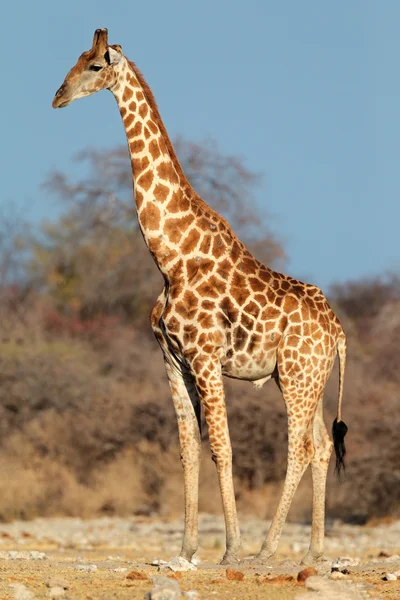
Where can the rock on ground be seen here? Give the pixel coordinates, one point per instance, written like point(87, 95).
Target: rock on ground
point(57, 582)
point(179, 564)
point(86, 568)
point(21, 592)
point(190, 595)
point(324, 589)
point(164, 588)
point(56, 592)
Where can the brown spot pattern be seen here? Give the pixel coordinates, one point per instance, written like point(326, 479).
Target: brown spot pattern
point(150, 217)
point(146, 180)
point(161, 192)
point(128, 93)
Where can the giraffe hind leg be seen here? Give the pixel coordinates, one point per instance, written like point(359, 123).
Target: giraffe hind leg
point(301, 394)
point(319, 469)
point(300, 454)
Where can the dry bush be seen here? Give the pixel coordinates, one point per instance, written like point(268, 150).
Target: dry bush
point(370, 312)
point(78, 411)
point(258, 427)
point(362, 301)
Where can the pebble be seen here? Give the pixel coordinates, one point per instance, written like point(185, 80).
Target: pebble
point(56, 592)
point(390, 577)
point(86, 568)
point(57, 582)
point(234, 575)
point(345, 561)
point(190, 595)
point(164, 588)
point(21, 592)
point(24, 555)
point(180, 564)
point(119, 570)
point(392, 558)
point(306, 573)
point(35, 555)
point(324, 589)
point(157, 562)
point(337, 575)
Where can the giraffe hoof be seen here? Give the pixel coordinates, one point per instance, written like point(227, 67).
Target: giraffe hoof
point(229, 559)
point(258, 561)
point(310, 560)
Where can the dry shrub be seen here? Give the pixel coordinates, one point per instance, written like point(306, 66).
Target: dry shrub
point(41, 487)
point(258, 427)
point(370, 486)
point(131, 483)
point(88, 427)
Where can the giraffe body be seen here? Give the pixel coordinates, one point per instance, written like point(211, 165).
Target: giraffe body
point(221, 312)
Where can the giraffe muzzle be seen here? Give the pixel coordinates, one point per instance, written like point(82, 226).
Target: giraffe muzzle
point(59, 100)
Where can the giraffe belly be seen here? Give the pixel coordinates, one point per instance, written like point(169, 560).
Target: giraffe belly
point(251, 368)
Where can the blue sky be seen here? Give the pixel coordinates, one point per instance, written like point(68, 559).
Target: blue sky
point(306, 92)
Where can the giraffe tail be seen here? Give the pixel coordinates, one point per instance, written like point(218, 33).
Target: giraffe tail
point(339, 427)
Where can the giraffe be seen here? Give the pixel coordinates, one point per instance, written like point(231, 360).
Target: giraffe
point(221, 313)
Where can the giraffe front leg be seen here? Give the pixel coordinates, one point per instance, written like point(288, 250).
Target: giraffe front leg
point(187, 409)
point(208, 377)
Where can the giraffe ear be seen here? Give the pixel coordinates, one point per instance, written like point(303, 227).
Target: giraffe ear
point(114, 54)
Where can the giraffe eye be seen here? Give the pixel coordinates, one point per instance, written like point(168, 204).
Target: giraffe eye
point(95, 68)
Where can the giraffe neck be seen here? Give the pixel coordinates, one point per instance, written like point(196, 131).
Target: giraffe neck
point(161, 190)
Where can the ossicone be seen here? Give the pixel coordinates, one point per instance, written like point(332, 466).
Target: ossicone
point(100, 39)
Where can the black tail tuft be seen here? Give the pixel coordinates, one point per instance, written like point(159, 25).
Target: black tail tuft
point(339, 430)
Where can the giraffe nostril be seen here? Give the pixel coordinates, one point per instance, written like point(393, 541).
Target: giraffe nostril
point(59, 99)
point(60, 90)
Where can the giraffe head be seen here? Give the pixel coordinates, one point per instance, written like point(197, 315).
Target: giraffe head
point(94, 71)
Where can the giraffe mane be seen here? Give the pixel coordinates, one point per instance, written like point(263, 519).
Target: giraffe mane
point(171, 150)
point(153, 104)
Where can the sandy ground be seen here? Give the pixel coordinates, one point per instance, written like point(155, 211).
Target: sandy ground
point(95, 559)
